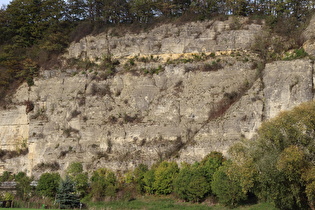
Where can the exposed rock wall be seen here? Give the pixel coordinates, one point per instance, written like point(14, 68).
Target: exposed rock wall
point(14, 127)
point(182, 113)
point(169, 40)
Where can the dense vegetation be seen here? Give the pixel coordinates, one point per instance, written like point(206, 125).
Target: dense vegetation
point(34, 32)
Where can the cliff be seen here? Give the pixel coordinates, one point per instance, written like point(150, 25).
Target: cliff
point(174, 92)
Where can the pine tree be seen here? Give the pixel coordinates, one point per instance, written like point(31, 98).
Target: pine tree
point(66, 197)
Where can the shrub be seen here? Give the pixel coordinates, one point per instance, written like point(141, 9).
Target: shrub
point(226, 186)
point(148, 180)
point(131, 119)
point(210, 164)
point(6, 176)
point(100, 90)
point(138, 177)
point(103, 183)
point(214, 66)
point(164, 176)
point(296, 54)
point(191, 184)
point(74, 113)
point(69, 131)
point(8, 154)
point(29, 106)
point(54, 166)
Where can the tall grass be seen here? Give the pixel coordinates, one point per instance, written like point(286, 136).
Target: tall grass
point(150, 202)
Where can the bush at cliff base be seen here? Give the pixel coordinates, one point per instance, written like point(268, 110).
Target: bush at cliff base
point(279, 165)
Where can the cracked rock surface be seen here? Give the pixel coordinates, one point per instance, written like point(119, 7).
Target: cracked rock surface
point(181, 113)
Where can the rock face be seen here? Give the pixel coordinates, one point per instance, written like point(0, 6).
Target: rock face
point(190, 108)
point(168, 40)
point(308, 35)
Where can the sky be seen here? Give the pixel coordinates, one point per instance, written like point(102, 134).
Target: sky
point(4, 2)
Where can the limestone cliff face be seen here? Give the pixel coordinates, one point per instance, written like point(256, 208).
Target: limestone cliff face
point(169, 40)
point(190, 108)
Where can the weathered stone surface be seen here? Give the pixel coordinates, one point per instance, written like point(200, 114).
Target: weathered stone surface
point(14, 127)
point(152, 117)
point(308, 35)
point(287, 84)
point(182, 113)
point(77, 118)
point(309, 31)
point(168, 39)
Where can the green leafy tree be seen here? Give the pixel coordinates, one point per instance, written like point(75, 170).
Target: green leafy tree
point(283, 158)
point(148, 180)
point(24, 16)
point(23, 185)
point(191, 184)
point(194, 182)
point(103, 183)
point(48, 184)
point(3, 25)
point(210, 164)
point(80, 178)
point(76, 10)
point(139, 173)
point(164, 176)
point(227, 186)
point(142, 10)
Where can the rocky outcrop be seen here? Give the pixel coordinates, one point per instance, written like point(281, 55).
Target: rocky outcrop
point(193, 106)
point(169, 40)
point(127, 120)
point(14, 127)
point(286, 85)
point(308, 36)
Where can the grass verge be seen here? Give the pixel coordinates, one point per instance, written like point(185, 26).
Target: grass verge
point(149, 203)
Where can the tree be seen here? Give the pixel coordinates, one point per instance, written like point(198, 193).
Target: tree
point(76, 10)
point(23, 185)
point(210, 164)
point(66, 196)
point(23, 16)
point(237, 7)
point(148, 180)
point(191, 184)
point(79, 178)
point(142, 10)
point(283, 157)
point(139, 176)
point(48, 184)
point(164, 176)
point(3, 25)
point(103, 183)
point(227, 186)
